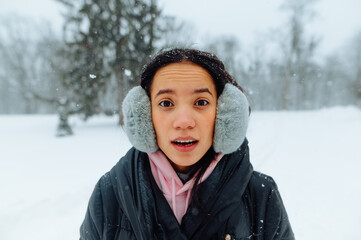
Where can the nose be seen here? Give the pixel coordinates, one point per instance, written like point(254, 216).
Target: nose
point(184, 119)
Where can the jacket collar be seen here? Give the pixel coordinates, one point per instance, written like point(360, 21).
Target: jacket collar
point(171, 185)
point(219, 196)
point(150, 213)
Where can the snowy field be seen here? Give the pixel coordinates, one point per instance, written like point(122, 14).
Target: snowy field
point(314, 156)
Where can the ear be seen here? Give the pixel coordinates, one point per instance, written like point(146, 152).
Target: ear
point(231, 120)
point(138, 123)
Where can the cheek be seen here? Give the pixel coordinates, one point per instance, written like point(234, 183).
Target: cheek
point(212, 115)
point(208, 122)
point(158, 123)
point(211, 125)
point(155, 119)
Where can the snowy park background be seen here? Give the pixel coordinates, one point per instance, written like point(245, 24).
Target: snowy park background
point(298, 60)
point(314, 156)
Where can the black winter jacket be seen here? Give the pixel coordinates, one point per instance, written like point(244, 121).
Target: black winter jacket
point(236, 203)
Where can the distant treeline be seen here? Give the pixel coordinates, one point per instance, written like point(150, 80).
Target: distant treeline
point(88, 69)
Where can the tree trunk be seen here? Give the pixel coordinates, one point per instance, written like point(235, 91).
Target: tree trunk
point(286, 91)
point(119, 76)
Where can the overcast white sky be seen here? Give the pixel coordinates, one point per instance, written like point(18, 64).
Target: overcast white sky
point(336, 20)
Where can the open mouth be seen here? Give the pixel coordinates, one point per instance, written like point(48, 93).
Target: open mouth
point(185, 143)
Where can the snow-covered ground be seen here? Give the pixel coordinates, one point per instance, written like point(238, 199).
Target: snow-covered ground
point(314, 156)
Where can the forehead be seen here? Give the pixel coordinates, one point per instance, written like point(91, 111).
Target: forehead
point(182, 73)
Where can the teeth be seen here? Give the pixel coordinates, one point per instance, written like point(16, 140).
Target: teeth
point(185, 141)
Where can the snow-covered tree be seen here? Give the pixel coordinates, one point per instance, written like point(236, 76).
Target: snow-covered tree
point(107, 41)
point(299, 67)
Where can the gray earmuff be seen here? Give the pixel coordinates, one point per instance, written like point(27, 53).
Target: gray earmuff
point(229, 130)
point(231, 120)
point(138, 123)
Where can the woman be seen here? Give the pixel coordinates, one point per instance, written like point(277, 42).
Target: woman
point(188, 175)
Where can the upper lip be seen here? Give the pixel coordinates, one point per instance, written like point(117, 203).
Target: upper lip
point(187, 138)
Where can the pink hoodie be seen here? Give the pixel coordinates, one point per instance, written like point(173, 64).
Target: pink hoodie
point(177, 194)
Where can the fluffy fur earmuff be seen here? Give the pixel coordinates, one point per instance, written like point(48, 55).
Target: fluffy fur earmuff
point(231, 120)
point(138, 123)
point(229, 130)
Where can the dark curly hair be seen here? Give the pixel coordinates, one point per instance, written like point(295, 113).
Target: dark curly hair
point(206, 60)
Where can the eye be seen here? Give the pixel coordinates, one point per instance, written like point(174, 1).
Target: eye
point(202, 102)
point(166, 104)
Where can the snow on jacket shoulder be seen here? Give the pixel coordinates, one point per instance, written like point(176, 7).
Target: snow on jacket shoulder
point(234, 201)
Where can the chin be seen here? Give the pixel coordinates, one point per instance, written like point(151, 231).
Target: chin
point(186, 159)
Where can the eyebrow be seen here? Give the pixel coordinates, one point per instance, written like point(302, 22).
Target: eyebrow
point(163, 91)
point(201, 90)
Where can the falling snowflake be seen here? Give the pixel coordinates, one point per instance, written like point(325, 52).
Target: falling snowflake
point(127, 72)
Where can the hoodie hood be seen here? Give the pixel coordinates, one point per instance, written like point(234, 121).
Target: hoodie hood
point(177, 194)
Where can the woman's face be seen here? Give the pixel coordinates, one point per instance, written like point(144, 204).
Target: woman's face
point(184, 105)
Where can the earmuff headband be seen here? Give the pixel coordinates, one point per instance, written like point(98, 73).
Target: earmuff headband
point(229, 130)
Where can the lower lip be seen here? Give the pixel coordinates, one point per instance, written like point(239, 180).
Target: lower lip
point(187, 148)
